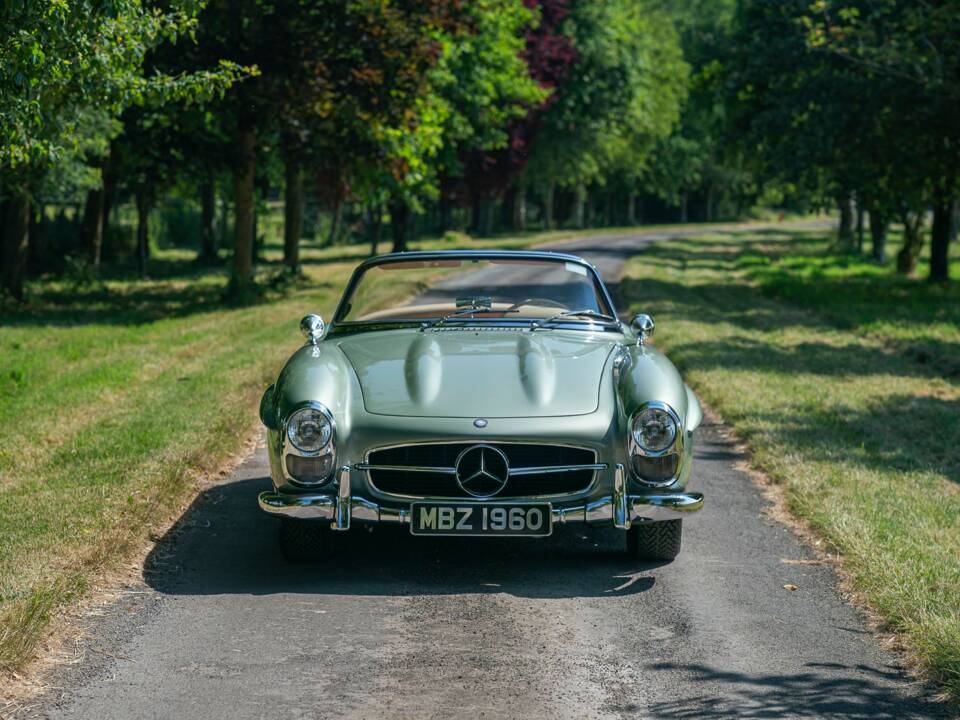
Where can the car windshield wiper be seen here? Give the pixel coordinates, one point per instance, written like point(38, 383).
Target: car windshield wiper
point(586, 313)
point(462, 313)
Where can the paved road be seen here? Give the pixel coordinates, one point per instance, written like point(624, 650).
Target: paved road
point(398, 626)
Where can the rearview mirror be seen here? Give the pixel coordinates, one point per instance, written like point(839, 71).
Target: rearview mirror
point(312, 328)
point(644, 326)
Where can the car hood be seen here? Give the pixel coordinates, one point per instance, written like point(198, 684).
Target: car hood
point(471, 372)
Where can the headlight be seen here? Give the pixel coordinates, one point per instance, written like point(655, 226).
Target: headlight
point(310, 470)
point(309, 429)
point(654, 429)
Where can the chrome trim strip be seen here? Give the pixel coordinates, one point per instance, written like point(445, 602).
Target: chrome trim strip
point(544, 469)
point(640, 508)
point(408, 468)
point(533, 470)
point(341, 518)
point(621, 514)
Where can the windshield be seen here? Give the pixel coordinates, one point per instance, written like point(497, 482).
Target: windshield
point(458, 289)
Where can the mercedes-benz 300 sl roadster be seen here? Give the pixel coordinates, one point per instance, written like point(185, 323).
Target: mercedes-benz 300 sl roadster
point(479, 393)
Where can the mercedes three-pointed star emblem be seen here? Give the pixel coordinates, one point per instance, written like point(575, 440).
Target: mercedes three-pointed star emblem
point(482, 471)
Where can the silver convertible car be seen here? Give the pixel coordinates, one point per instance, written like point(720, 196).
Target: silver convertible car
point(481, 393)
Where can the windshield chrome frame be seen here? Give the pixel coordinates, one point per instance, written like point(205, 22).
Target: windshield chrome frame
point(475, 255)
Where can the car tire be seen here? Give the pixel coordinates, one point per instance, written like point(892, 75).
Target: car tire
point(304, 540)
point(655, 540)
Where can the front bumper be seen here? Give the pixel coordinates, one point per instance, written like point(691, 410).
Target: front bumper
point(621, 509)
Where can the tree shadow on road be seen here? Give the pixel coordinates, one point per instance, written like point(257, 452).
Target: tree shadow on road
point(224, 544)
point(819, 690)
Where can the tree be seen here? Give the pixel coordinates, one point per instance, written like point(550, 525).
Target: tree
point(697, 158)
point(623, 92)
point(814, 123)
point(486, 85)
point(549, 56)
point(67, 70)
point(915, 49)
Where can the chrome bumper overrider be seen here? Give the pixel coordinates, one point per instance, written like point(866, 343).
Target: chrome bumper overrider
point(620, 508)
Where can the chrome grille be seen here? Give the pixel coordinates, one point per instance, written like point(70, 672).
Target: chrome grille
point(428, 469)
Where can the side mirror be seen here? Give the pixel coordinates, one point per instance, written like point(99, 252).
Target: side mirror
point(312, 328)
point(644, 326)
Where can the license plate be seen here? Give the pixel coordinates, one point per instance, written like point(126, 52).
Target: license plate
point(503, 519)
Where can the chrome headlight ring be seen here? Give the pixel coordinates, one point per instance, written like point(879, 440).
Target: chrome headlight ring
point(290, 448)
point(670, 456)
point(325, 445)
point(661, 409)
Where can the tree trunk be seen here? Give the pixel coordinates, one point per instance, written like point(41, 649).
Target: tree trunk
point(683, 207)
point(399, 216)
point(845, 229)
point(257, 239)
point(37, 257)
point(446, 215)
point(518, 222)
point(143, 230)
point(506, 207)
point(109, 251)
point(878, 235)
point(579, 205)
point(912, 243)
point(710, 201)
point(549, 195)
point(631, 209)
point(93, 226)
point(335, 221)
point(485, 206)
point(292, 216)
point(223, 222)
point(940, 238)
point(15, 228)
point(859, 225)
point(208, 221)
point(243, 181)
point(374, 222)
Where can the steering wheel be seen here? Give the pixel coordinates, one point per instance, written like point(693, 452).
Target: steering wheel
point(538, 301)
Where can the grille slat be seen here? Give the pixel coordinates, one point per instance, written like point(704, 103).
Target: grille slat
point(444, 455)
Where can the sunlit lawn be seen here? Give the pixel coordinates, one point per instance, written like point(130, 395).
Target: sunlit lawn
point(845, 382)
point(115, 395)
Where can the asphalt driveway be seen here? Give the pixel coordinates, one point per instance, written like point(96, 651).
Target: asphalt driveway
point(570, 626)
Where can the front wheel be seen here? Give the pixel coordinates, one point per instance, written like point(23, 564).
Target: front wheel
point(655, 540)
point(304, 540)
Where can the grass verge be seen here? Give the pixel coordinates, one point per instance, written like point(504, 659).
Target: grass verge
point(844, 381)
point(117, 396)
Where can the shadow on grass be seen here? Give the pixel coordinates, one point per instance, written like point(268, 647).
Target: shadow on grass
point(901, 432)
point(60, 305)
point(905, 432)
point(932, 354)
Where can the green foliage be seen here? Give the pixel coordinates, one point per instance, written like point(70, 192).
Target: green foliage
point(624, 92)
point(697, 156)
point(484, 81)
point(68, 69)
point(825, 95)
